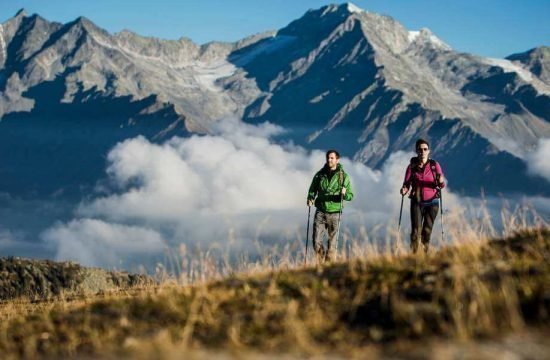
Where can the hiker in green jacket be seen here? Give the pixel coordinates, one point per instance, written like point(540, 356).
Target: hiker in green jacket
point(329, 187)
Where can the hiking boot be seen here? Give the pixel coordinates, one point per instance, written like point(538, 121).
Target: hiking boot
point(414, 246)
point(415, 241)
point(425, 247)
point(321, 255)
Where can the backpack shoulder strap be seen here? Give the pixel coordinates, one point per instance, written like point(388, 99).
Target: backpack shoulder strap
point(432, 166)
point(435, 174)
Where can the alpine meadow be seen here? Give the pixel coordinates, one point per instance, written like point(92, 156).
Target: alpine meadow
point(341, 187)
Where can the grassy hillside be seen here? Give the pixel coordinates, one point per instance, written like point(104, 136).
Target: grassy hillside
point(476, 299)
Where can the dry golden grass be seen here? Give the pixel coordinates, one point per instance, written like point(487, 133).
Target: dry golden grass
point(377, 300)
point(472, 291)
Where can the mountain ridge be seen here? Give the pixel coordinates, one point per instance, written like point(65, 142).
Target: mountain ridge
point(386, 86)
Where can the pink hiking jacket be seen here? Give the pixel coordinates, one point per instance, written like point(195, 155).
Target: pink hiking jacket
point(424, 179)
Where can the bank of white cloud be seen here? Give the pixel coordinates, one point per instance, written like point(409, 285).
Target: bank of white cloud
point(236, 185)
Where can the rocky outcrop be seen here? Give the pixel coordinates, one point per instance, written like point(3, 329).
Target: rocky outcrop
point(43, 279)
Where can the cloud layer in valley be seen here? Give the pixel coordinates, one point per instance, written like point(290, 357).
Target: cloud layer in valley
point(538, 161)
point(232, 188)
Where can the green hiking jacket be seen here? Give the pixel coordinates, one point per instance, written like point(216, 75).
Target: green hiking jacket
point(327, 193)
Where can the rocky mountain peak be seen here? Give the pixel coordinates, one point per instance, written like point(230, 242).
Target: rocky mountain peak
point(10, 26)
point(318, 23)
point(382, 32)
point(21, 13)
point(352, 8)
point(22, 36)
point(348, 7)
point(88, 26)
point(425, 37)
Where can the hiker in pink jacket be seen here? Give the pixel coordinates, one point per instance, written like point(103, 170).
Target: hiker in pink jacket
point(425, 179)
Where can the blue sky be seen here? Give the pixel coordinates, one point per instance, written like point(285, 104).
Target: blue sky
point(495, 28)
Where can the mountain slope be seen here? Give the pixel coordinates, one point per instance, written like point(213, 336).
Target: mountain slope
point(366, 85)
point(70, 92)
point(537, 61)
point(337, 77)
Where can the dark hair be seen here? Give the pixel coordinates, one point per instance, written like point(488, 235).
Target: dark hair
point(332, 151)
point(420, 142)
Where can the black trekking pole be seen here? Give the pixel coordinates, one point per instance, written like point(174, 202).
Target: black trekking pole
point(307, 232)
point(339, 217)
point(399, 223)
point(441, 205)
point(440, 191)
point(400, 213)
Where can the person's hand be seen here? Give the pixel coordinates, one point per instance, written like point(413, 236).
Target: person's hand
point(343, 191)
point(309, 203)
point(439, 181)
point(404, 190)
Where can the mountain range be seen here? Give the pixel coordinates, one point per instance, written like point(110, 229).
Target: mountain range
point(338, 77)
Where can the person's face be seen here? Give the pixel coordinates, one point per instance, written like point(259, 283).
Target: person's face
point(423, 151)
point(332, 160)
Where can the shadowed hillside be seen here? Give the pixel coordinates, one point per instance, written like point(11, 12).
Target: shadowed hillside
point(474, 299)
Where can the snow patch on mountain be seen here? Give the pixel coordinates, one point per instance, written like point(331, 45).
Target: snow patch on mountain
point(352, 8)
point(2, 42)
point(207, 74)
point(509, 66)
point(424, 35)
point(268, 46)
point(413, 35)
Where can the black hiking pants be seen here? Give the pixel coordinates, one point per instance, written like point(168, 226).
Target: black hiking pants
point(422, 221)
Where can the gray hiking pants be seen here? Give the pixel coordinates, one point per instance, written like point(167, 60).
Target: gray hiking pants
point(325, 222)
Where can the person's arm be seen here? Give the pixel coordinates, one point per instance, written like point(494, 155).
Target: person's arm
point(348, 196)
point(313, 189)
point(441, 180)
